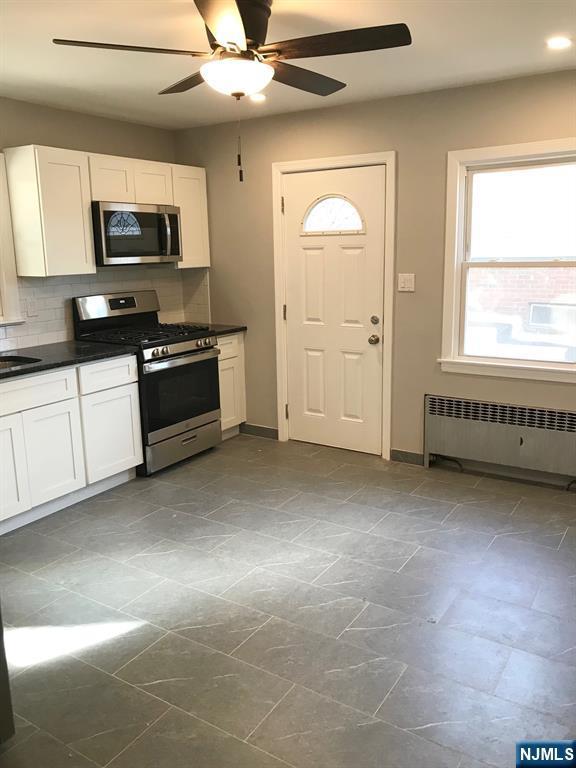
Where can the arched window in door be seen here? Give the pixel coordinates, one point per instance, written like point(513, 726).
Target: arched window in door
point(332, 215)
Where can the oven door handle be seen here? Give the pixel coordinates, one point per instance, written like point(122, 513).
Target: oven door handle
point(175, 362)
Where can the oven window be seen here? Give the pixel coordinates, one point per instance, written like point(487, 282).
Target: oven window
point(179, 394)
point(133, 233)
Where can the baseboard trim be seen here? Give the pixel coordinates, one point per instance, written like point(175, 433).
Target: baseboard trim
point(228, 433)
point(43, 510)
point(406, 457)
point(253, 429)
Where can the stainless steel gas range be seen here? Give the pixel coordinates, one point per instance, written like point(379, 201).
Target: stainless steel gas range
point(178, 372)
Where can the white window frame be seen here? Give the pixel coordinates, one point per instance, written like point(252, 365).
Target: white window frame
point(9, 300)
point(458, 167)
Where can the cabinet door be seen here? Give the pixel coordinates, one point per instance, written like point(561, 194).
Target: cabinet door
point(153, 182)
point(231, 376)
point(53, 437)
point(14, 491)
point(190, 194)
point(65, 202)
point(112, 178)
point(112, 438)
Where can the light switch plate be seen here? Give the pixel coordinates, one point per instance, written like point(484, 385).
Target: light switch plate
point(407, 282)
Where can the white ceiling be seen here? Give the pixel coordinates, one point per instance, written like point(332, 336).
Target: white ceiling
point(455, 42)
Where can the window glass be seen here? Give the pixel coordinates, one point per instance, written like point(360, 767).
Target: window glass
point(523, 214)
point(521, 313)
point(332, 214)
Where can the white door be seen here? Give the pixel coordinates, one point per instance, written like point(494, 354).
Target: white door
point(53, 437)
point(112, 178)
point(112, 437)
point(64, 185)
point(14, 491)
point(153, 183)
point(189, 185)
point(334, 246)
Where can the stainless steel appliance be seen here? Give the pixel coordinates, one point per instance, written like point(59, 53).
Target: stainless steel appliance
point(129, 233)
point(178, 372)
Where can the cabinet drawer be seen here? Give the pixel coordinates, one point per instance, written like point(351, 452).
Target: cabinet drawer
point(23, 393)
point(107, 374)
point(229, 346)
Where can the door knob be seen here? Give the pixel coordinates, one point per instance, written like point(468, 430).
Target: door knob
point(374, 339)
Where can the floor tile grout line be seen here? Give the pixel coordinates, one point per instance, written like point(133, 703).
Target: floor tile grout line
point(75, 551)
point(147, 648)
point(379, 707)
point(133, 599)
point(360, 612)
point(323, 571)
point(237, 648)
point(267, 715)
point(410, 558)
point(151, 725)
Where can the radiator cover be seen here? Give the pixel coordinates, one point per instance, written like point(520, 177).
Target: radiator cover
point(541, 439)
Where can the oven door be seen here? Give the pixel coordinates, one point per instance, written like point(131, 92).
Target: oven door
point(179, 394)
point(126, 233)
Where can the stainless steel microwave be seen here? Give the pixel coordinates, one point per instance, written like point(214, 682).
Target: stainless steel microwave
point(130, 233)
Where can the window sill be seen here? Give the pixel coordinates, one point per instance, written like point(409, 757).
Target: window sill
point(532, 371)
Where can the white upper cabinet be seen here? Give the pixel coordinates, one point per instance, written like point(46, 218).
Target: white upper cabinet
point(51, 216)
point(189, 185)
point(51, 192)
point(112, 179)
point(153, 182)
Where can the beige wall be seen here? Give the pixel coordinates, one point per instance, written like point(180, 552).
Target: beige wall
point(421, 128)
point(22, 123)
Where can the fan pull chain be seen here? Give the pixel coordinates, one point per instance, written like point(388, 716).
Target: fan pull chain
point(239, 159)
point(239, 151)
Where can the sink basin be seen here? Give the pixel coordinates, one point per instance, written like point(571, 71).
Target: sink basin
point(13, 361)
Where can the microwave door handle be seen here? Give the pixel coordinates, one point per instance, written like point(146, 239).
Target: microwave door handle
point(168, 234)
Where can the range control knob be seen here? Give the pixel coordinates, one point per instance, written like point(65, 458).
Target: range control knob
point(165, 350)
point(156, 352)
point(207, 342)
point(199, 343)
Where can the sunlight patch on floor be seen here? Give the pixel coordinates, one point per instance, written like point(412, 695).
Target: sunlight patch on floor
point(26, 646)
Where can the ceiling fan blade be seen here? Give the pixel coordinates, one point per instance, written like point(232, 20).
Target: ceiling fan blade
point(223, 19)
point(137, 48)
point(184, 85)
point(348, 41)
point(305, 79)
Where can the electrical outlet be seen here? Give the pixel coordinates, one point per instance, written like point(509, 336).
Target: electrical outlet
point(407, 282)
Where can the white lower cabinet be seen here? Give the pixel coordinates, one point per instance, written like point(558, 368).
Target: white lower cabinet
point(14, 491)
point(54, 442)
point(232, 381)
point(111, 426)
point(55, 458)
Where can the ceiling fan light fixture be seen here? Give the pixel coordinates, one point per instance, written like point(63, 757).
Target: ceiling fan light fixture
point(237, 76)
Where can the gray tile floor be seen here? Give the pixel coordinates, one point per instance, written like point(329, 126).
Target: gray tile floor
point(269, 605)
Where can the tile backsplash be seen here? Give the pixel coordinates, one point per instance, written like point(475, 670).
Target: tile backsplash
point(47, 311)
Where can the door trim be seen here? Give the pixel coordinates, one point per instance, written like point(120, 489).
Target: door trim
point(388, 159)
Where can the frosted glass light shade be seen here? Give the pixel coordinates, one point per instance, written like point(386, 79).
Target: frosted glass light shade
point(232, 76)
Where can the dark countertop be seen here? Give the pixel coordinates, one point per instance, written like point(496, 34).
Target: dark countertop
point(226, 330)
point(61, 355)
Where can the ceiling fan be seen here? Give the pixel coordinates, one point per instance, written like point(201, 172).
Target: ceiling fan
point(241, 63)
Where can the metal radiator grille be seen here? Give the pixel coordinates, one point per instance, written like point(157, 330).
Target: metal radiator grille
point(498, 413)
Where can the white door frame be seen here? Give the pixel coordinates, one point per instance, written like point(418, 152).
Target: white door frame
point(387, 159)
